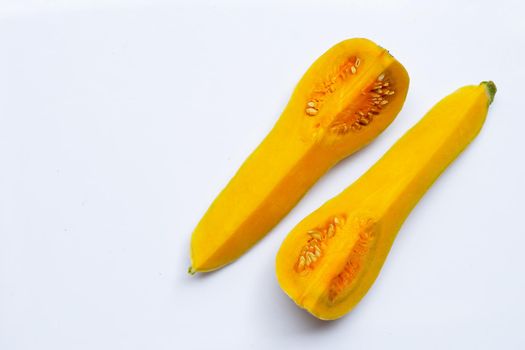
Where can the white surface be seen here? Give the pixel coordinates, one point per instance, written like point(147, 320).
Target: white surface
point(121, 121)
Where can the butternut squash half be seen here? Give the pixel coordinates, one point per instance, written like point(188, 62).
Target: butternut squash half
point(331, 258)
point(344, 100)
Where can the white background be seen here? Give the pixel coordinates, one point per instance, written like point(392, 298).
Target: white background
point(120, 121)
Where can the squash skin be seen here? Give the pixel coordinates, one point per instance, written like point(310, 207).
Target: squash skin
point(294, 155)
point(376, 205)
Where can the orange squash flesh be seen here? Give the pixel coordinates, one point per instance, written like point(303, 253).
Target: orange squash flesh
point(330, 259)
point(344, 100)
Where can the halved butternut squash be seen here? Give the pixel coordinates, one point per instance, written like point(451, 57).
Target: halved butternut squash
point(345, 99)
point(331, 258)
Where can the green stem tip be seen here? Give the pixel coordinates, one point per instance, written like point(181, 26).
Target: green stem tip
point(490, 88)
point(191, 271)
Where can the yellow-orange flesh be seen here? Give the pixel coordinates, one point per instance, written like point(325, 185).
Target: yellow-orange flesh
point(330, 259)
point(344, 100)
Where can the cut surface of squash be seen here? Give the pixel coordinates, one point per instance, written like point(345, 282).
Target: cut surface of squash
point(345, 99)
point(331, 258)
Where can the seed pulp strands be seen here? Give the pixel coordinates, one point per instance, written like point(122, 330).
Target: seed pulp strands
point(330, 84)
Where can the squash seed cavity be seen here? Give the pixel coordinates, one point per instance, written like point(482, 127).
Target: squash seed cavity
point(331, 84)
point(355, 261)
point(312, 251)
point(378, 95)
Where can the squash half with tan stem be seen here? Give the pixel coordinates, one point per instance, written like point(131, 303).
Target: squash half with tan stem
point(344, 100)
point(331, 258)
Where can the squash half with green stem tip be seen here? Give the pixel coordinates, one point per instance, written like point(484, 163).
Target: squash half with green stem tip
point(331, 258)
point(344, 100)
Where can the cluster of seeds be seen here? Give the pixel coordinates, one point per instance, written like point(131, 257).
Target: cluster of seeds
point(328, 86)
point(353, 264)
point(311, 108)
point(317, 238)
point(349, 67)
point(377, 98)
